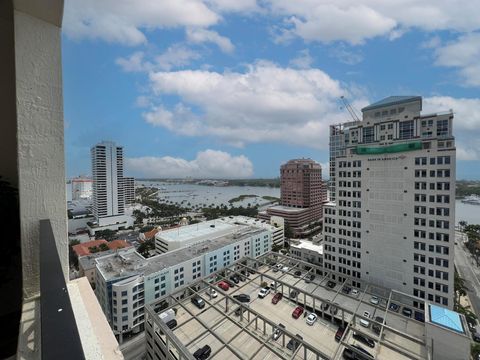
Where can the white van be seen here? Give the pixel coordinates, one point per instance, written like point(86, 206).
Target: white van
point(166, 316)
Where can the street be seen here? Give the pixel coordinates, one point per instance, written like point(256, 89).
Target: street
point(134, 349)
point(468, 270)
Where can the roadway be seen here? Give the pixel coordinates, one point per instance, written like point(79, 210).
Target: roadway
point(134, 348)
point(468, 270)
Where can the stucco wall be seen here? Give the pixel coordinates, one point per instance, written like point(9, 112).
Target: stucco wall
point(41, 164)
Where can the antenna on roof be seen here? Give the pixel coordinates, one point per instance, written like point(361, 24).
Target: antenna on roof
point(350, 109)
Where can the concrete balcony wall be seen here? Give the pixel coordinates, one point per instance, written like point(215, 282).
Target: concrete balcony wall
point(40, 131)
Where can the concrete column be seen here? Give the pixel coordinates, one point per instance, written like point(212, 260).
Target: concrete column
point(40, 128)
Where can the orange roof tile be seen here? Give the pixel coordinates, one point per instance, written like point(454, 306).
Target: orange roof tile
point(83, 248)
point(118, 244)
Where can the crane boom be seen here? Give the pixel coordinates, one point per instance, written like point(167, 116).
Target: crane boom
point(349, 108)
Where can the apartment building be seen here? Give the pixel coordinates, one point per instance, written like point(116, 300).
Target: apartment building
point(392, 222)
point(125, 281)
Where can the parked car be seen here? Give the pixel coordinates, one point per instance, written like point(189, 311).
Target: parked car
point(235, 279)
point(364, 322)
point(272, 285)
point(407, 312)
point(393, 307)
point(230, 283)
point(278, 331)
point(198, 302)
point(476, 336)
point(339, 333)
point(346, 289)
point(223, 285)
point(293, 294)
point(297, 273)
point(172, 324)
point(311, 319)
point(333, 310)
point(242, 297)
point(331, 284)
point(212, 293)
point(263, 292)
point(297, 312)
point(362, 355)
point(355, 292)
point(285, 269)
point(376, 328)
point(293, 344)
point(277, 297)
point(324, 306)
point(203, 353)
point(363, 339)
point(374, 300)
point(309, 278)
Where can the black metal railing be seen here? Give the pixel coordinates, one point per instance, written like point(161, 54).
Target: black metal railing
point(59, 334)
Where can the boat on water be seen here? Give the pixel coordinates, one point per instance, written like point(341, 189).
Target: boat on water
point(471, 199)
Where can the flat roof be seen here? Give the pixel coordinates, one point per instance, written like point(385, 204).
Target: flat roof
point(199, 230)
point(287, 209)
point(446, 318)
point(216, 324)
point(305, 244)
point(130, 263)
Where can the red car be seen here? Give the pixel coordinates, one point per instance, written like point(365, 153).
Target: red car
point(297, 312)
point(223, 285)
point(276, 298)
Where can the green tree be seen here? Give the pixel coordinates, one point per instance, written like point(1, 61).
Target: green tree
point(288, 231)
point(106, 234)
point(103, 247)
point(459, 288)
point(72, 256)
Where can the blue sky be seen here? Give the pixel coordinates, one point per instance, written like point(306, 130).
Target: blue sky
point(226, 88)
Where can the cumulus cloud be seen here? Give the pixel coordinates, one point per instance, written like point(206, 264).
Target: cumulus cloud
point(467, 111)
point(176, 56)
point(355, 21)
point(463, 53)
point(134, 63)
point(303, 61)
point(207, 164)
point(266, 103)
point(345, 55)
point(123, 21)
point(199, 36)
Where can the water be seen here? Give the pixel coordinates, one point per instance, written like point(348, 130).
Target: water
point(190, 195)
point(467, 212)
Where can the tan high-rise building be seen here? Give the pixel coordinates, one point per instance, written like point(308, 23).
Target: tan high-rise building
point(302, 194)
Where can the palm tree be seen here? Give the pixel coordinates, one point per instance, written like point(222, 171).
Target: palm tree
point(460, 289)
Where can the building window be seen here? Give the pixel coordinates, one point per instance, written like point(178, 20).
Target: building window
point(406, 129)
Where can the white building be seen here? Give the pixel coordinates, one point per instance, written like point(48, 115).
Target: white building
point(108, 192)
point(393, 220)
point(82, 188)
point(125, 281)
point(307, 251)
point(275, 225)
point(129, 190)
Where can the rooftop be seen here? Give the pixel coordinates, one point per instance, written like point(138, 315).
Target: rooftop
point(200, 230)
point(84, 248)
point(392, 100)
point(129, 262)
point(305, 244)
point(398, 337)
point(287, 209)
point(446, 318)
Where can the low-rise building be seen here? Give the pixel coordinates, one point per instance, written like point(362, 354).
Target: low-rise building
point(275, 225)
point(307, 251)
point(126, 281)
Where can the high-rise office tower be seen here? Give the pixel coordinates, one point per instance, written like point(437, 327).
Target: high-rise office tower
point(108, 191)
point(392, 222)
point(302, 193)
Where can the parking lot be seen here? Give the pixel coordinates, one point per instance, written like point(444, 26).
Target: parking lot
point(226, 329)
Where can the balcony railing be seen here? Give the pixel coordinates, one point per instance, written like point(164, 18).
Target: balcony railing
point(59, 334)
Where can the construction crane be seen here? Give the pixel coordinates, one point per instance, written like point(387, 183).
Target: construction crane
point(350, 109)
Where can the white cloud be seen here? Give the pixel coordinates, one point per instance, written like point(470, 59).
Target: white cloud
point(134, 63)
point(199, 36)
point(176, 56)
point(467, 153)
point(303, 61)
point(207, 164)
point(463, 54)
point(123, 21)
point(466, 111)
point(355, 21)
point(346, 56)
point(267, 103)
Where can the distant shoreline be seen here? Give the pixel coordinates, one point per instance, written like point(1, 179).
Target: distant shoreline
point(274, 183)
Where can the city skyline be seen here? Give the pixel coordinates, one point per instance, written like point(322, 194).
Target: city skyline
point(236, 90)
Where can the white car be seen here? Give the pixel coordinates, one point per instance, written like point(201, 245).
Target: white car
point(363, 322)
point(374, 300)
point(311, 319)
point(213, 293)
point(355, 292)
point(263, 292)
point(285, 268)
